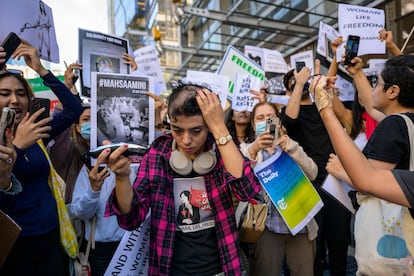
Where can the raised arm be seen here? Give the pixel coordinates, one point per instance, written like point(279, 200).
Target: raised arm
point(364, 89)
point(293, 106)
point(364, 176)
point(213, 115)
point(391, 47)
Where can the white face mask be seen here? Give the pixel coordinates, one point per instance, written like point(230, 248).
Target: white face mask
point(260, 127)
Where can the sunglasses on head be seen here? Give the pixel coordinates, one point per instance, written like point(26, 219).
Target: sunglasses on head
point(12, 71)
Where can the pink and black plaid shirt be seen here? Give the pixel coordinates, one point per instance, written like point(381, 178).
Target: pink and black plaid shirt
point(153, 189)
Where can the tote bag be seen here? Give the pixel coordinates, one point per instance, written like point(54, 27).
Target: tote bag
point(384, 232)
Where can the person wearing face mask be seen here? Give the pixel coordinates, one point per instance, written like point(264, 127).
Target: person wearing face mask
point(91, 191)
point(277, 243)
point(72, 144)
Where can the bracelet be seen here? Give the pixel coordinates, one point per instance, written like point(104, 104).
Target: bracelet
point(9, 188)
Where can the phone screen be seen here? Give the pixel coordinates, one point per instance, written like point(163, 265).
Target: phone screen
point(299, 65)
point(351, 49)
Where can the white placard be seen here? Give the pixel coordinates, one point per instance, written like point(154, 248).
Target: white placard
point(306, 56)
point(325, 36)
point(242, 98)
point(235, 62)
point(364, 22)
point(217, 83)
point(149, 64)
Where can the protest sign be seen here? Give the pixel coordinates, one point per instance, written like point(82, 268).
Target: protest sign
point(289, 189)
point(242, 98)
point(235, 62)
point(32, 21)
point(306, 56)
point(346, 89)
point(339, 190)
point(274, 66)
point(131, 258)
point(364, 22)
point(217, 83)
point(121, 111)
point(149, 64)
point(100, 52)
point(325, 36)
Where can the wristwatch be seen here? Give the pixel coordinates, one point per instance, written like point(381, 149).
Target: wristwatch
point(224, 139)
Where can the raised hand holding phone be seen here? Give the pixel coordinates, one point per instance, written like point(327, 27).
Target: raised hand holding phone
point(37, 104)
point(299, 65)
point(29, 130)
point(351, 49)
point(97, 174)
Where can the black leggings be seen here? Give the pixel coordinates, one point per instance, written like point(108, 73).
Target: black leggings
point(41, 255)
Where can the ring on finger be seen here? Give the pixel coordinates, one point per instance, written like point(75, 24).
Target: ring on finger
point(9, 160)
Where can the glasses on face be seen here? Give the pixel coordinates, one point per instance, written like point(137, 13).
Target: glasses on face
point(12, 71)
point(374, 80)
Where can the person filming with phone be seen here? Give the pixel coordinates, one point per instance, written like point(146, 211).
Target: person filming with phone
point(34, 201)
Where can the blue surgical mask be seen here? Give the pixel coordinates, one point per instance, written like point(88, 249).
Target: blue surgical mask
point(260, 127)
point(85, 131)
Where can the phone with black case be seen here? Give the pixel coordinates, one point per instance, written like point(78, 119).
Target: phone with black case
point(351, 49)
point(38, 103)
point(10, 44)
point(299, 65)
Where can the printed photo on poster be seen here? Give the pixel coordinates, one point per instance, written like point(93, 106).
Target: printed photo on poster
point(100, 52)
point(121, 111)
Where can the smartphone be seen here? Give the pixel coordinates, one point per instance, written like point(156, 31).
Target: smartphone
point(328, 45)
point(133, 149)
point(76, 71)
point(271, 125)
point(351, 49)
point(38, 103)
point(10, 44)
point(7, 121)
point(299, 65)
point(75, 78)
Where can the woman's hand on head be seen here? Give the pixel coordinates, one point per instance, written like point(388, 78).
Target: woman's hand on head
point(211, 109)
point(29, 131)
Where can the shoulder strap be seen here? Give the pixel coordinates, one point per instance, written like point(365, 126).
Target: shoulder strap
point(410, 128)
point(91, 241)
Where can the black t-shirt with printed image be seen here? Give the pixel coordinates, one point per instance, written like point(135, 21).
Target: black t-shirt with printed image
point(195, 244)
